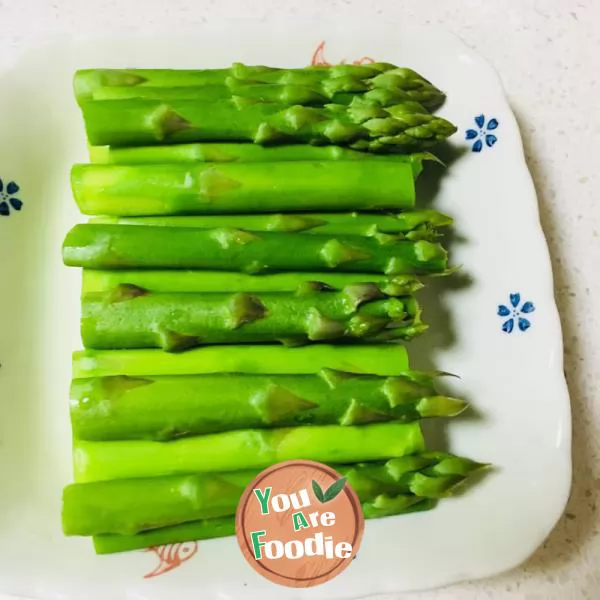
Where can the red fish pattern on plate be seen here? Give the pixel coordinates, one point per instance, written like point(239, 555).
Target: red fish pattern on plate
point(171, 556)
point(318, 58)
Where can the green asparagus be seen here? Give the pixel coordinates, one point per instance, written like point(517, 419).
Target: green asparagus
point(185, 532)
point(382, 83)
point(244, 449)
point(364, 125)
point(283, 94)
point(223, 188)
point(431, 474)
point(385, 360)
point(129, 506)
point(146, 247)
point(166, 407)
point(197, 243)
point(87, 81)
point(225, 526)
point(219, 153)
point(411, 225)
point(205, 93)
point(223, 281)
point(131, 317)
point(387, 506)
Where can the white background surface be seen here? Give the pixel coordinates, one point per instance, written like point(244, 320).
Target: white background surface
point(547, 54)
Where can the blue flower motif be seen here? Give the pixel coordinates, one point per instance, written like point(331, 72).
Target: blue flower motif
point(514, 311)
point(7, 198)
point(482, 133)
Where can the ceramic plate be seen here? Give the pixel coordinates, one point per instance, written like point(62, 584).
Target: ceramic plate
point(495, 324)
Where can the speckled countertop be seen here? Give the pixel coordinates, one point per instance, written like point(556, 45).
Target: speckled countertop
point(547, 53)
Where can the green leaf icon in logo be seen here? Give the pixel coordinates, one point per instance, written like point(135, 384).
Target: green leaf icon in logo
point(332, 491)
point(335, 488)
point(318, 491)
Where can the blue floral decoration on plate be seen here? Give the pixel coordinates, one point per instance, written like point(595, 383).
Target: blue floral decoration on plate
point(8, 198)
point(515, 312)
point(482, 133)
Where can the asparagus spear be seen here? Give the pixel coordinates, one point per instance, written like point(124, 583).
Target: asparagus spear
point(219, 153)
point(244, 449)
point(167, 407)
point(284, 94)
point(225, 526)
point(387, 360)
point(131, 317)
point(129, 506)
point(87, 81)
point(381, 82)
point(451, 472)
point(220, 281)
point(187, 188)
point(411, 225)
point(200, 93)
point(146, 247)
point(185, 532)
point(430, 474)
point(403, 127)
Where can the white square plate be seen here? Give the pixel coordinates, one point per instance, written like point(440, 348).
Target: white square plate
point(514, 380)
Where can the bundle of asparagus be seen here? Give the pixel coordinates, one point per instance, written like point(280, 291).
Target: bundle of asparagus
point(238, 291)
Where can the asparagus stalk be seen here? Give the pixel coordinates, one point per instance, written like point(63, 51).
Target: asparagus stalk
point(131, 317)
point(386, 506)
point(388, 360)
point(412, 225)
point(219, 153)
point(200, 93)
point(94, 281)
point(129, 506)
point(187, 188)
point(87, 81)
point(185, 532)
point(381, 82)
point(244, 449)
point(381, 506)
point(431, 474)
point(225, 526)
point(403, 127)
point(146, 247)
point(166, 407)
point(283, 94)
